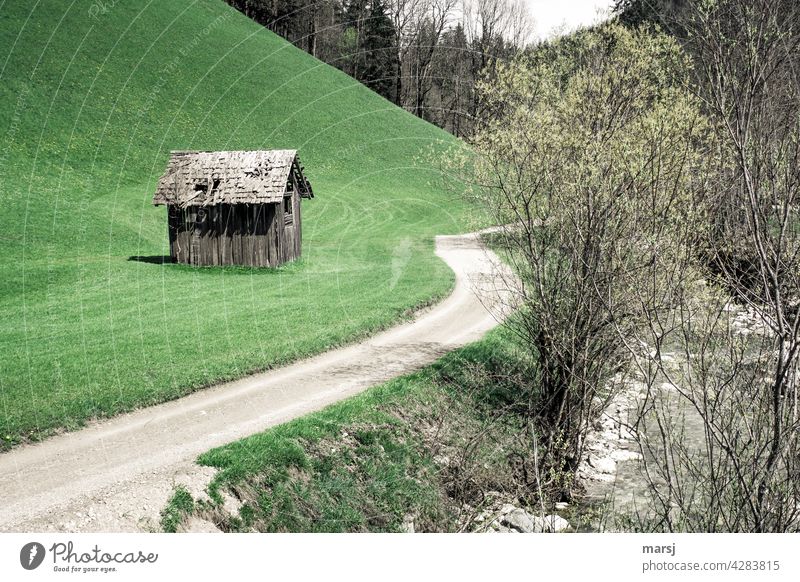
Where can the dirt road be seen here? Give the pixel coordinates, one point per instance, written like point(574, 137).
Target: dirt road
point(116, 475)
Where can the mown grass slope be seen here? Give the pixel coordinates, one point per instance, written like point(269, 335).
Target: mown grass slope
point(93, 96)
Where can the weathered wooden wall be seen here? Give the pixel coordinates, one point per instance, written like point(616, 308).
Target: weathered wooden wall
point(255, 235)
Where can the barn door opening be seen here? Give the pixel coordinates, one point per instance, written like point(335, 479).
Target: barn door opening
point(288, 210)
point(288, 228)
point(289, 234)
point(199, 225)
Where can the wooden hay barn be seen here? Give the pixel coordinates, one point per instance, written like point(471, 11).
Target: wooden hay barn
point(234, 208)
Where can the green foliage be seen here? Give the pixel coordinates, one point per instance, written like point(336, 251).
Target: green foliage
point(588, 156)
point(180, 506)
point(92, 99)
point(369, 45)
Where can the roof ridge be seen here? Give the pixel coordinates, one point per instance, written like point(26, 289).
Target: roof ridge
point(203, 178)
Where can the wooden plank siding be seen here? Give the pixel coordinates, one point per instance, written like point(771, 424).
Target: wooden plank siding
point(253, 235)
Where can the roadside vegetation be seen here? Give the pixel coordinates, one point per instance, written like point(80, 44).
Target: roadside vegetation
point(92, 99)
point(440, 450)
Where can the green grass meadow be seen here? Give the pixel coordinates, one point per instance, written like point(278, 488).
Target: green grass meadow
point(93, 96)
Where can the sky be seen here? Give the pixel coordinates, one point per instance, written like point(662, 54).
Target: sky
point(552, 14)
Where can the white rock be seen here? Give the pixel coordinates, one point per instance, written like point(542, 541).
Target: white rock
point(610, 435)
point(441, 460)
point(625, 455)
point(605, 465)
point(230, 504)
point(520, 520)
point(551, 524)
point(507, 508)
point(408, 524)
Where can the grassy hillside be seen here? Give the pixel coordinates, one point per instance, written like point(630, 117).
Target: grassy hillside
point(93, 96)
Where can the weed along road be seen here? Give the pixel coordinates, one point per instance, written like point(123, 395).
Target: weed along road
point(116, 475)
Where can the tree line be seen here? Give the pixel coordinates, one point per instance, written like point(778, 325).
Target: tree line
point(423, 55)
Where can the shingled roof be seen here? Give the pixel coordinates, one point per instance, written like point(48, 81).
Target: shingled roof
point(237, 177)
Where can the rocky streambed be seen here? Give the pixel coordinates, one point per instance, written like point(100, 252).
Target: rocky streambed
point(611, 472)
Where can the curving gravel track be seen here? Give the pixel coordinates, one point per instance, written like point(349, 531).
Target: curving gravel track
point(116, 475)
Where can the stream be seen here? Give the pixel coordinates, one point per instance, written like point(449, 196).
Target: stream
point(612, 472)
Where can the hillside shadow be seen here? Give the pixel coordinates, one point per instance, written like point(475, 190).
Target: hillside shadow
point(152, 259)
